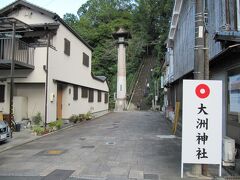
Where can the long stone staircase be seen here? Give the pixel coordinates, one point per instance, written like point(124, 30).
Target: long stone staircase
point(141, 89)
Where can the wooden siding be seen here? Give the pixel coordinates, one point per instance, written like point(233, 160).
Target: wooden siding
point(183, 47)
point(216, 23)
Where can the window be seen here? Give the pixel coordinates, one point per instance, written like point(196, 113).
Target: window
point(234, 95)
point(238, 15)
point(91, 95)
point(84, 92)
point(66, 47)
point(99, 96)
point(106, 98)
point(2, 93)
point(75, 92)
point(85, 60)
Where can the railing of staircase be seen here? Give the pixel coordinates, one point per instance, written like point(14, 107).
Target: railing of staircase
point(130, 89)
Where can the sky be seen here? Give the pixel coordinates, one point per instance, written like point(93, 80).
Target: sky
point(58, 6)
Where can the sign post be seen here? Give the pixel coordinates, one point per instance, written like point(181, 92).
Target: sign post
point(202, 123)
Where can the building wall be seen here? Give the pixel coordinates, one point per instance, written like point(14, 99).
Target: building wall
point(31, 17)
point(4, 107)
point(215, 23)
point(184, 41)
point(37, 75)
point(69, 69)
point(183, 49)
point(81, 106)
point(35, 94)
point(220, 72)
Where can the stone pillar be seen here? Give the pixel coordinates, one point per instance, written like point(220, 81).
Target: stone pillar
point(121, 36)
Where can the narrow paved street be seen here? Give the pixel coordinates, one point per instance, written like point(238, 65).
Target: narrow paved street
point(118, 146)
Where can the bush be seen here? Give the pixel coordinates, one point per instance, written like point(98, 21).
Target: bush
point(52, 125)
point(37, 119)
point(55, 125)
point(74, 118)
point(81, 117)
point(88, 116)
point(38, 130)
point(59, 123)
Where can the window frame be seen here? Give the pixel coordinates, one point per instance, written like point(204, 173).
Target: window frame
point(85, 61)
point(75, 92)
point(106, 98)
point(2, 93)
point(99, 96)
point(84, 92)
point(91, 95)
point(67, 47)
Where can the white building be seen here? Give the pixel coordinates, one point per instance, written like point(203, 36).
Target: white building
point(71, 86)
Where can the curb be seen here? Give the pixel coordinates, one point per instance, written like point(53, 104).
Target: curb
point(51, 133)
point(38, 137)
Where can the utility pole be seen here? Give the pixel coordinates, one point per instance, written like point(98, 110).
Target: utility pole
point(199, 41)
point(12, 76)
point(200, 62)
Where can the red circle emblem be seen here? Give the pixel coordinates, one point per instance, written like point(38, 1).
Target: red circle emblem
point(202, 91)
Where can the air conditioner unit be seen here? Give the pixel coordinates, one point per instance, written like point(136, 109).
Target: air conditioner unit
point(229, 151)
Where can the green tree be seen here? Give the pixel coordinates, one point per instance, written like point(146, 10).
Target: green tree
point(147, 20)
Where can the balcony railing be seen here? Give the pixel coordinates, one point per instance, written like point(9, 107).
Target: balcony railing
point(24, 54)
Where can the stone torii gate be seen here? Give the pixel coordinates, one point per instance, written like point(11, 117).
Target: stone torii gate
point(121, 36)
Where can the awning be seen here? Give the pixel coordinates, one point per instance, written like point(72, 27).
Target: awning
point(225, 54)
point(233, 36)
point(6, 24)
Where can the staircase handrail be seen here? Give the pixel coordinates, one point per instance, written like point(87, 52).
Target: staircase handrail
point(134, 82)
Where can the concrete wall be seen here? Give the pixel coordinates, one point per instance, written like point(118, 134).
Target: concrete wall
point(35, 94)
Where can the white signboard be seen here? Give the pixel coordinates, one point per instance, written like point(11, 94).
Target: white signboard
point(202, 122)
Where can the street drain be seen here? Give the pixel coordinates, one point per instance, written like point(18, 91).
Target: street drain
point(58, 174)
point(110, 143)
point(166, 136)
point(51, 152)
point(151, 176)
point(55, 152)
point(89, 147)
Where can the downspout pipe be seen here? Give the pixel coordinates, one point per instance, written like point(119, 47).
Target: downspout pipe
point(227, 15)
point(46, 85)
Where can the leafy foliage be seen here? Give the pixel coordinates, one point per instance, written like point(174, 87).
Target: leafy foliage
point(147, 20)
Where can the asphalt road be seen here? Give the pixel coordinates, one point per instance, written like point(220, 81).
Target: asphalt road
point(118, 146)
